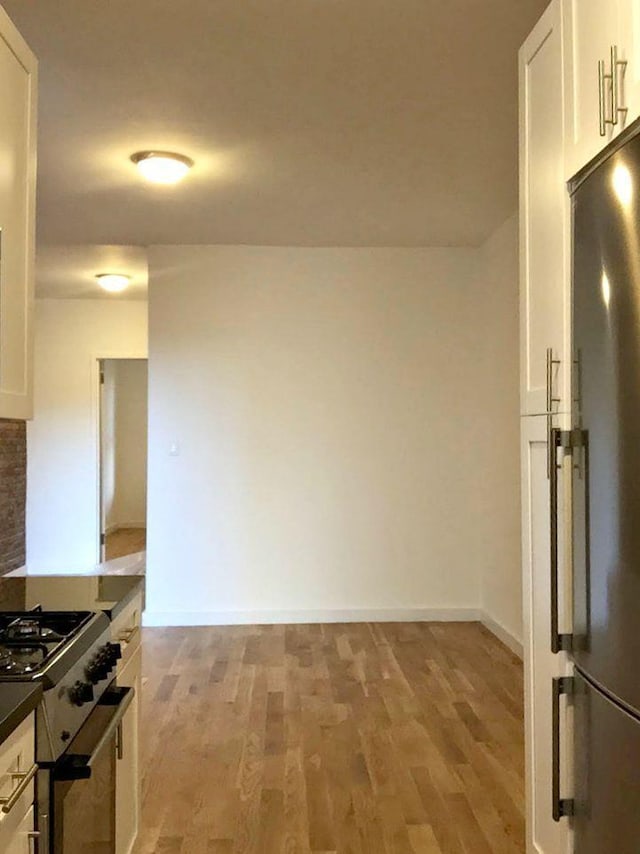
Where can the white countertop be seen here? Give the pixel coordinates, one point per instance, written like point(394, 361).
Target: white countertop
point(133, 564)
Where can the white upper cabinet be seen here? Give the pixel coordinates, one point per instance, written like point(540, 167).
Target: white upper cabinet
point(630, 51)
point(544, 213)
point(18, 93)
point(601, 75)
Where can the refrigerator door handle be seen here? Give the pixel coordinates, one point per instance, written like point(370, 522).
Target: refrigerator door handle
point(557, 439)
point(562, 807)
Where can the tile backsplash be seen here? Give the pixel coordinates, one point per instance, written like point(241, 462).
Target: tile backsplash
point(13, 494)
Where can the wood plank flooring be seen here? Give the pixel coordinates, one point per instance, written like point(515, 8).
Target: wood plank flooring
point(125, 541)
point(331, 739)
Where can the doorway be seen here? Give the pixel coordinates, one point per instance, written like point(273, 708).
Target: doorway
point(122, 457)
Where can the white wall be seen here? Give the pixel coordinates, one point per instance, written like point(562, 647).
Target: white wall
point(108, 444)
point(130, 494)
point(499, 559)
point(71, 335)
point(339, 428)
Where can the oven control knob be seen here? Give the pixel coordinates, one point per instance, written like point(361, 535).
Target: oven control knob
point(101, 667)
point(108, 656)
point(93, 672)
point(81, 693)
point(115, 651)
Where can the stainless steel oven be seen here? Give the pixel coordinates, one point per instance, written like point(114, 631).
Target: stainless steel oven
point(76, 794)
point(78, 722)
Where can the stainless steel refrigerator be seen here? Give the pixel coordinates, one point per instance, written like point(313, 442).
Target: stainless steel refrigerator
point(604, 448)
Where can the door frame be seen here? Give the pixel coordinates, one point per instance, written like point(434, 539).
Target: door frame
point(97, 361)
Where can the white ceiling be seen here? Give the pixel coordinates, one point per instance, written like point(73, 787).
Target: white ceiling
point(312, 122)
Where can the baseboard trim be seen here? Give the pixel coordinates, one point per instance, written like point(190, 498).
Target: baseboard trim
point(125, 526)
point(340, 615)
point(503, 635)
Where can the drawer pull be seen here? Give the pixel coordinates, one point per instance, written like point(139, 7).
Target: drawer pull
point(9, 802)
point(127, 635)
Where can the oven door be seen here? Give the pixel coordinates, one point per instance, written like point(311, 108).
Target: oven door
point(83, 781)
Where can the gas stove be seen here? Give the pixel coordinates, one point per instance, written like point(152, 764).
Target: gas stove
point(70, 653)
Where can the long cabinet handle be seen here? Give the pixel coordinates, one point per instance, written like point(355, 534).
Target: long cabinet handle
point(11, 800)
point(550, 401)
point(550, 363)
point(616, 64)
point(613, 78)
point(614, 85)
point(561, 807)
point(119, 741)
point(602, 98)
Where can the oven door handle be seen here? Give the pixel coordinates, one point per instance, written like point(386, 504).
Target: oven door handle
point(76, 766)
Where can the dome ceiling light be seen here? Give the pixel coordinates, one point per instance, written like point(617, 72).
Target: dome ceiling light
point(113, 282)
point(162, 167)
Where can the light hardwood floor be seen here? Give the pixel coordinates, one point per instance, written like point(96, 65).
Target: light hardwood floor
point(125, 541)
point(355, 739)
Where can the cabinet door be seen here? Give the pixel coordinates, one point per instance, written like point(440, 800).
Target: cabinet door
point(15, 837)
point(544, 222)
point(18, 88)
point(127, 767)
point(629, 50)
point(544, 835)
point(592, 28)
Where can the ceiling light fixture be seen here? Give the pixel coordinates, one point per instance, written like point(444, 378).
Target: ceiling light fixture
point(113, 282)
point(162, 167)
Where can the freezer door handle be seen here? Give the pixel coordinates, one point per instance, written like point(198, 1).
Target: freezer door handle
point(562, 807)
point(557, 439)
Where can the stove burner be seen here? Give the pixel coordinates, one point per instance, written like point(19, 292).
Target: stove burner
point(21, 660)
point(29, 640)
point(26, 629)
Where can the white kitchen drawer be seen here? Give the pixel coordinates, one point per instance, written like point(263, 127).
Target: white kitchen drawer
point(128, 765)
point(125, 629)
point(17, 756)
point(15, 832)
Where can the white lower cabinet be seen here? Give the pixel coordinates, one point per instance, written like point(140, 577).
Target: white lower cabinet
point(18, 837)
point(544, 835)
point(127, 767)
point(17, 788)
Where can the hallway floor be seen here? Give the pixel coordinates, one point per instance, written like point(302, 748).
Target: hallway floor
point(125, 541)
point(355, 739)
